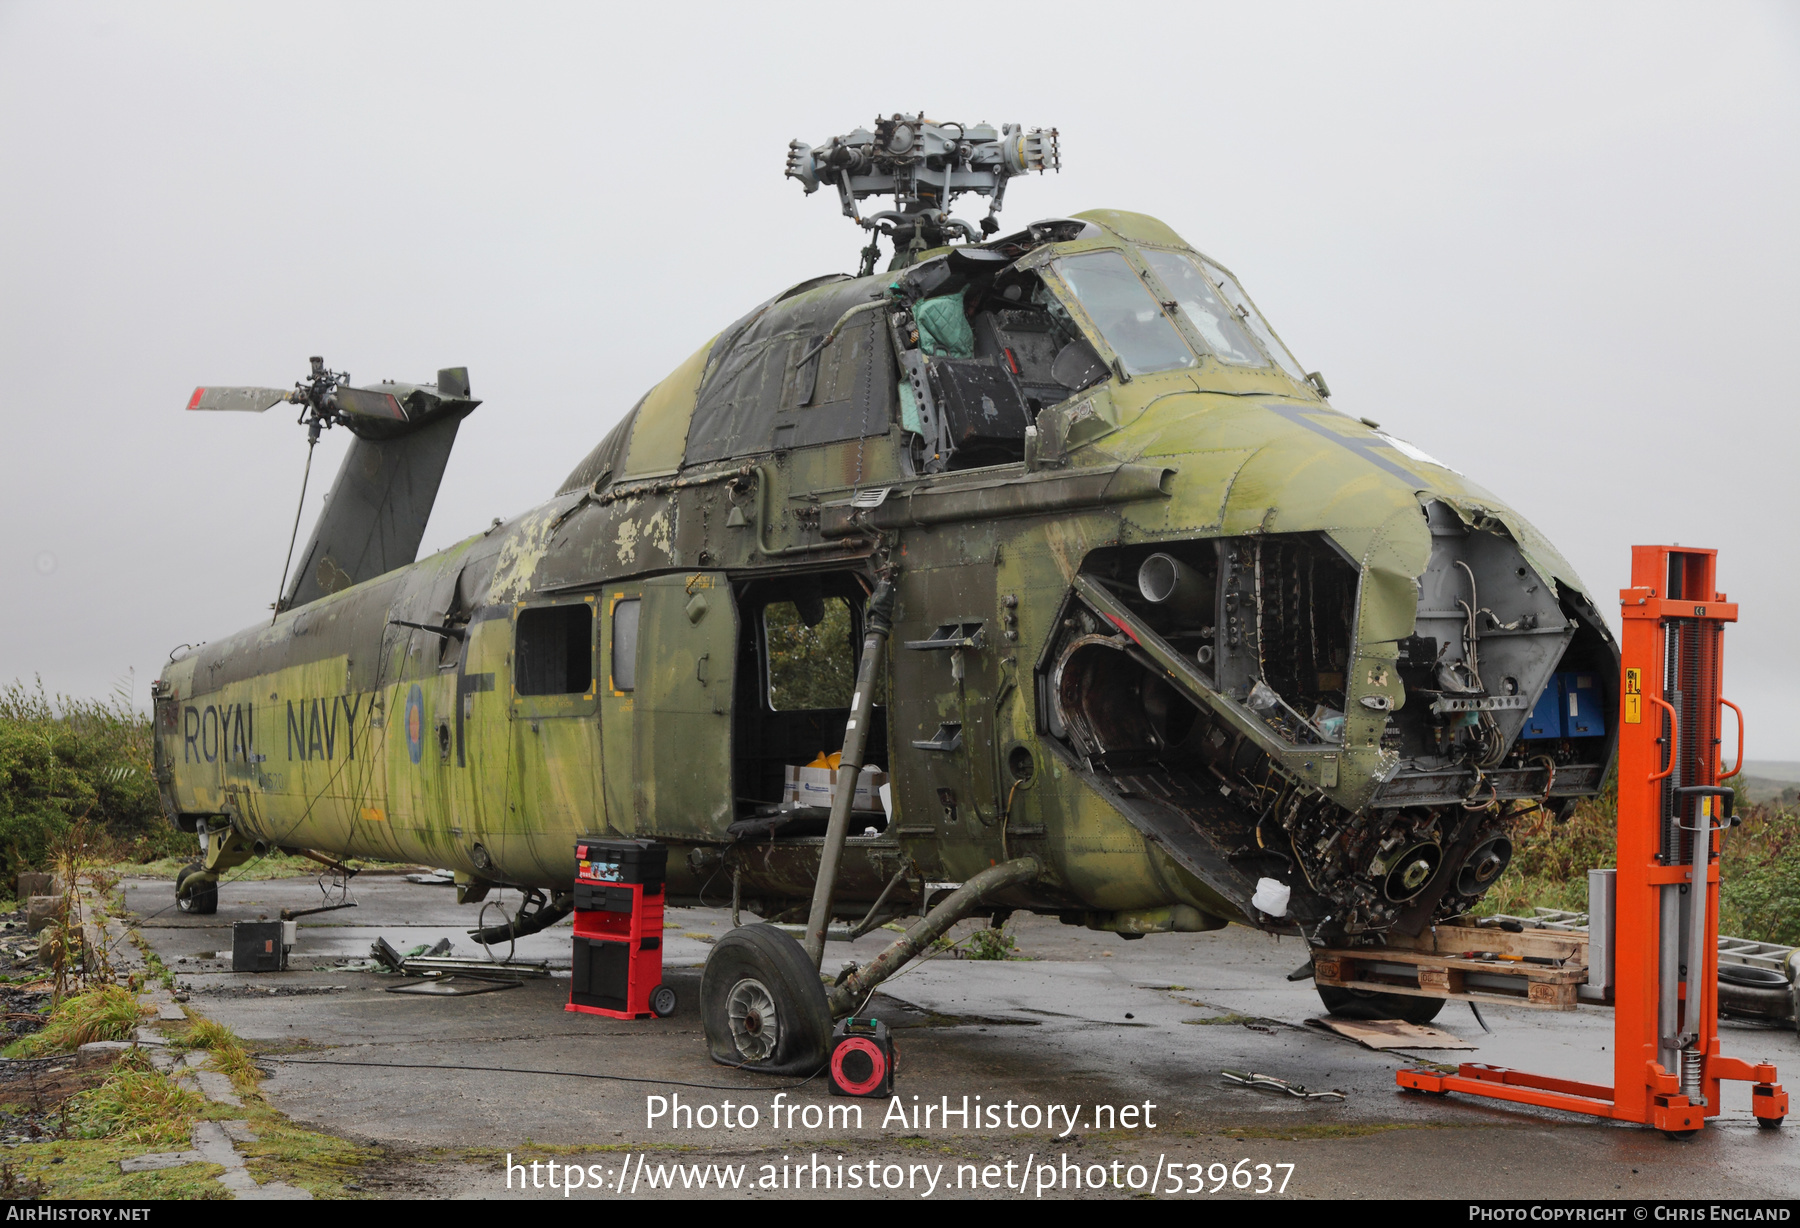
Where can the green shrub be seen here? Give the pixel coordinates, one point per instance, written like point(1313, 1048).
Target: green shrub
point(990, 944)
point(1760, 893)
point(64, 759)
point(1759, 867)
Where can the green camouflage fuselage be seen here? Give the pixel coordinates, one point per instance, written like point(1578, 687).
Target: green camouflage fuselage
point(333, 729)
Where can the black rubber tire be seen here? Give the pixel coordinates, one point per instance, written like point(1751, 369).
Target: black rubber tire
point(1367, 1004)
point(803, 1016)
point(662, 1001)
point(1752, 977)
point(1770, 1123)
point(202, 899)
point(1680, 1136)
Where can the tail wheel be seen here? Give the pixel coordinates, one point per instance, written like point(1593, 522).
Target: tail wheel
point(1367, 1004)
point(199, 898)
point(762, 1004)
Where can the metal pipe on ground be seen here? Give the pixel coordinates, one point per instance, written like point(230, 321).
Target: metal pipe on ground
point(849, 993)
point(856, 737)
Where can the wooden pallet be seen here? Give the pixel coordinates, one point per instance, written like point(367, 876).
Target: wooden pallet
point(1446, 961)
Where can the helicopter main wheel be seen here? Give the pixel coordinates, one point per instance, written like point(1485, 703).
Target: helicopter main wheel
point(201, 899)
point(762, 1004)
point(1367, 1004)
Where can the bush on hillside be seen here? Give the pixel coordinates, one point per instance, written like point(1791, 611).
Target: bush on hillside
point(66, 759)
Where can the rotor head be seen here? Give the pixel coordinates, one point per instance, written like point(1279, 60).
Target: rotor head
point(924, 165)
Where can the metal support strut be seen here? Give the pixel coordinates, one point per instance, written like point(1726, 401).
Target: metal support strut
point(879, 624)
point(849, 993)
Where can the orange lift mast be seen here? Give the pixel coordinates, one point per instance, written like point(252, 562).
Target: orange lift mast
point(1673, 808)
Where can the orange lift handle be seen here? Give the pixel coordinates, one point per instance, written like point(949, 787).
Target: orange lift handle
point(1740, 724)
point(1674, 737)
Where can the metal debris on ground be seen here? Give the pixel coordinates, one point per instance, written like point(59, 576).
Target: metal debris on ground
point(453, 985)
point(1275, 1083)
point(435, 960)
point(434, 878)
point(1391, 1034)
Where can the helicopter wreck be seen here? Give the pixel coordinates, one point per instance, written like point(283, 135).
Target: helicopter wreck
point(1174, 642)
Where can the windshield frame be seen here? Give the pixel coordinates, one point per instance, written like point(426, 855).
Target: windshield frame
point(1252, 318)
point(1258, 359)
point(1046, 262)
point(1079, 310)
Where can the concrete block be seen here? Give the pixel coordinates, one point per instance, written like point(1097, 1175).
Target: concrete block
point(42, 910)
point(34, 883)
point(217, 1087)
point(100, 1052)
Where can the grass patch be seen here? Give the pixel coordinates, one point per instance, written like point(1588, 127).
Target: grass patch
point(135, 1109)
point(228, 1053)
point(1237, 1019)
point(138, 1104)
point(272, 865)
point(154, 968)
point(320, 1163)
point(106, 1013)
point(89, 1169)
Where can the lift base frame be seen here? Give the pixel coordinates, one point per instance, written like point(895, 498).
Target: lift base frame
point(1669, 724)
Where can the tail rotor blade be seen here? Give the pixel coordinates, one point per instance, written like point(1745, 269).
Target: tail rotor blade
point(241, 400)
point(364, 403)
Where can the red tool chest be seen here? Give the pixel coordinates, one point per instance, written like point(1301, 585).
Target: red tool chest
point(618, 929)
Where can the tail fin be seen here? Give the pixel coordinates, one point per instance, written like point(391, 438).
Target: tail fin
point(375, 515)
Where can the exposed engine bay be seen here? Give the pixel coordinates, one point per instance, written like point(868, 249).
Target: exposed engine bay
point(1205, 685)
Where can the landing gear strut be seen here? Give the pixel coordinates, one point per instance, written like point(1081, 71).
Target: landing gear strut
point(194, 896)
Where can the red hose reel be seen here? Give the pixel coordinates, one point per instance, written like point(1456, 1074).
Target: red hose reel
point(862, 1058)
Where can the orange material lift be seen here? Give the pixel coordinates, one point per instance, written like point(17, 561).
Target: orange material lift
point(1672, 810)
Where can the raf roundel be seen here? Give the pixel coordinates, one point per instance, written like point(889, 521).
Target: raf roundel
point(415, 723)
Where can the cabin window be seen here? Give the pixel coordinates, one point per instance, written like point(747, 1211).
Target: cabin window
point(624, 644)
point(1200, 303)
point(1126, 313)
point(1240, 303)
point(811, 652)
point(554, 653)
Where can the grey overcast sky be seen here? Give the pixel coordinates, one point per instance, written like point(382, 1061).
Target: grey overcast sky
point(1553, 244)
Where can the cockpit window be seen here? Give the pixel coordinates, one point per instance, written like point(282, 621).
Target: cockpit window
point(1204, 310)
point(1126, 313)
point(1240, 303)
